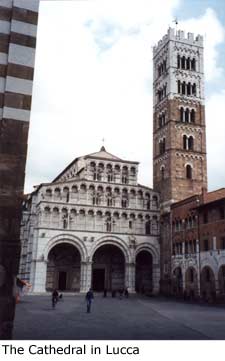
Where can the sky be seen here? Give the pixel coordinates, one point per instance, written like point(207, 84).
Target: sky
point(93, 80)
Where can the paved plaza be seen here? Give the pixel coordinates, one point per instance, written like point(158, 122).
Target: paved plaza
point(135, 318)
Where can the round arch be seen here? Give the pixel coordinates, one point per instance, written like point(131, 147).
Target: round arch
point(208, 284)
point(66, 238)
point(149, 248)
point(63, 268)
point(191, 282)
point(177, 281)
point(108, 268)
point(144, 270)
point(221, 279)
point(114, 241)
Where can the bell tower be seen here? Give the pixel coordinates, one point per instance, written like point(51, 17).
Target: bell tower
point(179, 139)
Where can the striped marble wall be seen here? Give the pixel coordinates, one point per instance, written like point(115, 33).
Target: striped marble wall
point(18, 28)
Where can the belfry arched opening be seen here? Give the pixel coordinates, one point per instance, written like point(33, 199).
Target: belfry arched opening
point(63, 269)
point(108, 269)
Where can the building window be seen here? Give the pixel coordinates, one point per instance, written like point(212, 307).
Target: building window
point(190, 143)
point(206, 244)
point(187, 115)
point(109, 202)
point(147, 228)
point(181, 114)
point(188, 172)
point(130, 225)
point(124, 203)
point(193, 64)
point(221, 210)
point(108, 226)
point(223, 243)
point(205, 217)
point(192, 116)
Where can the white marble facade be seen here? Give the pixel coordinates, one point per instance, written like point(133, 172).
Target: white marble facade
point(93, 221)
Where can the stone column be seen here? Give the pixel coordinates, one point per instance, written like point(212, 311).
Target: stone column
point(39, 280)
point(86, 274)
point(83, 271)
point(130, 276)
point(155, 278)
point(198, 268)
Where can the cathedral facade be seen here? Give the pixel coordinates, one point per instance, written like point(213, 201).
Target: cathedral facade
point(93, 226)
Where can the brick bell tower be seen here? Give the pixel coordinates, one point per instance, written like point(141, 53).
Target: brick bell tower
point(179, 139)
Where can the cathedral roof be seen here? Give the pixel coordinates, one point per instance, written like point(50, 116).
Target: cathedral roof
point(103, 154)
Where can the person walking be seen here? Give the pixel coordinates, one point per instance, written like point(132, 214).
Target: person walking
point(89, 297)
point(55, 296)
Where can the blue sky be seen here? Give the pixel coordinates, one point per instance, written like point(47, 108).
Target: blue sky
point(93, 79)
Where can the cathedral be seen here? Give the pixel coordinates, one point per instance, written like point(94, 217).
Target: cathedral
point(93, 226)
point(96, 226)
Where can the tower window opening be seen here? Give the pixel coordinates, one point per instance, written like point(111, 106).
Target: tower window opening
point(187, 115)
point(193, 64)
point(178, 61)
point(189, 88)
point(183, 62)
point(184, 142)
point(181, 114)
point(183, 88)
point(188, 64)
point(190, 143)
point(194, 89)
point(178, 86)
point(188, 172)
point(192, 116)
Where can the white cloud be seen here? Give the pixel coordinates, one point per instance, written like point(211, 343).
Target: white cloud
point(93, 78)
point(210, 27)
point(215, 111)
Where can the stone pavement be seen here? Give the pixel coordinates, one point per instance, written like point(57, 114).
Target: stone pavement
point(135, 318)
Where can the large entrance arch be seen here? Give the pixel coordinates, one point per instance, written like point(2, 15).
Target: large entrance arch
point(221, 279)
point(177, 281)
point(143, 272)
point(108, 270)
point(63, 268)
point(208, 284)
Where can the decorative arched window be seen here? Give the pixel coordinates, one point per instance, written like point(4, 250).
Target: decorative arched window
point(193, 64)
point(183, 88)
point(178, 61)
point(194, 89)
point(184, 142)
point(189, 88)
point(192, 115)
point(181, 114)
point(183, 61)
point(188, 64)
point(147, 228)
point(178, 86)
point(187, 115)
point(188, 171)
point(190, 143)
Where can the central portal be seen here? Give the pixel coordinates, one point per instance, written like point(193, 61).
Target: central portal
point(108, 269)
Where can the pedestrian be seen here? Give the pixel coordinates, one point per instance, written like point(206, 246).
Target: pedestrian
point(89, 297)
point(121, 293)
point(55, 297)
point(105, 293)
point(126, 293)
